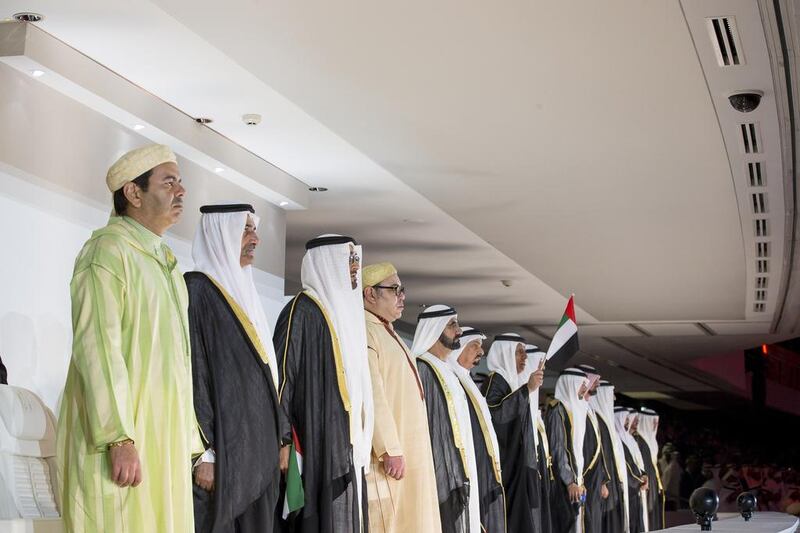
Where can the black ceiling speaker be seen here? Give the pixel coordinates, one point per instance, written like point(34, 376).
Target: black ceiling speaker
point(747, 503)
point(704, 503)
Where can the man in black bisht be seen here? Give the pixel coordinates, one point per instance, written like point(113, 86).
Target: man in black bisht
point(235, 376)
point(637, 478)
point(508, 398)
point(326, 389)
point(645, 429)
point(596, 476)
point(546, 478)
point(614, 506)
point(566, 429)
point(487, 448)
point(447, 405)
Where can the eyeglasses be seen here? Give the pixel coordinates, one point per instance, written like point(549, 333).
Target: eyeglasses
point(397, 289)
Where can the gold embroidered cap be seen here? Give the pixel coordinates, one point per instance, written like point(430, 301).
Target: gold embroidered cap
point(136, 162)
point(371, 275)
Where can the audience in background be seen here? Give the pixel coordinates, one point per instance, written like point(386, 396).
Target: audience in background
point(730, 458)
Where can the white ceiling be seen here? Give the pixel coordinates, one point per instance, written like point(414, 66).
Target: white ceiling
point(565, 146)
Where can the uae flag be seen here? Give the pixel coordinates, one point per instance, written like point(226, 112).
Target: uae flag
point(295, 497)
point(565, 341)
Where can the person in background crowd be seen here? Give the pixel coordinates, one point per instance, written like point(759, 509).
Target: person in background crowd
point(671, 477)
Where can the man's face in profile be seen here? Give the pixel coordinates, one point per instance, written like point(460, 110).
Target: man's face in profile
point(471, 354)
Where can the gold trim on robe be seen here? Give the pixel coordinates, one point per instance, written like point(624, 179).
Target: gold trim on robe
point(337, 356)
point(243, 319)
point(452, 413)
point(494, 454)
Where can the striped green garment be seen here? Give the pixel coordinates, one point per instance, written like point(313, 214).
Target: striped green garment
point(129, 377)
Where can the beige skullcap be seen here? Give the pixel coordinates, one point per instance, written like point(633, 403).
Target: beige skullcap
point(371, 275)
point(136, 162)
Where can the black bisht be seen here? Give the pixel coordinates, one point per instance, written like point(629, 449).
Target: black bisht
point(563, 513)
point(655, 493)
point(614, 505)
point(310, 396)
point(635, 482)
point(452, 484)
point(595, 475)
point(492, 499)
point(547, 479)
point(237, 408)
point(511, 417)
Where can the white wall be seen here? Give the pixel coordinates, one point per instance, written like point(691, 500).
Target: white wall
point(41, 232)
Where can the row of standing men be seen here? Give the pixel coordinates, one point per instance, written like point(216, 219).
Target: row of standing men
point(182, 411)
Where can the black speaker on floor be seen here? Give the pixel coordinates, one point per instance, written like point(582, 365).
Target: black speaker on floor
point(704, 503)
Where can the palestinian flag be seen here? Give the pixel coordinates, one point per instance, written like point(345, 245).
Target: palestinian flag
point(295, 497)
point(565, 342)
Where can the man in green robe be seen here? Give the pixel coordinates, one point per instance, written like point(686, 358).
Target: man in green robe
point(127, 429)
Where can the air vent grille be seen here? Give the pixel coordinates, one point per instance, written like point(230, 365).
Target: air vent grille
point(762, 249)
point(759, 203)
point(751, 140)
point(761, 282)
point(725, 39)
point(761, 295)
point(762, 266)
point(761, 227)
point(759, 307)
point(754, 170)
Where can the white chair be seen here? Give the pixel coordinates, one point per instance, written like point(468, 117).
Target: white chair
point(28, 486)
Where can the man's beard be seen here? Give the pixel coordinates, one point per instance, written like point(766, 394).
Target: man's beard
point(450, 344)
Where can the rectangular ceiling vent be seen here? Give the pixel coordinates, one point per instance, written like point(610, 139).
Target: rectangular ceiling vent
point(761, 295)
point(761, 282)
point(759, 307)
point(754, 170)
point(751, 140)
point(762, 266)
point(759, 203)
point(725, 40)
point(761, 227)
point(762, 249)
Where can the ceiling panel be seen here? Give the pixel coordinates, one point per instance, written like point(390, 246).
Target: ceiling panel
point(688, 329)
point(740, 328)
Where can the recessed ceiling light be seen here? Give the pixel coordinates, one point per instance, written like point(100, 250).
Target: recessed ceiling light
point(138, 127)
point(219, 169)
point(284, 203)
point(37, 73)
point(317, 189)
point(27, 16)
point(203, 120)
